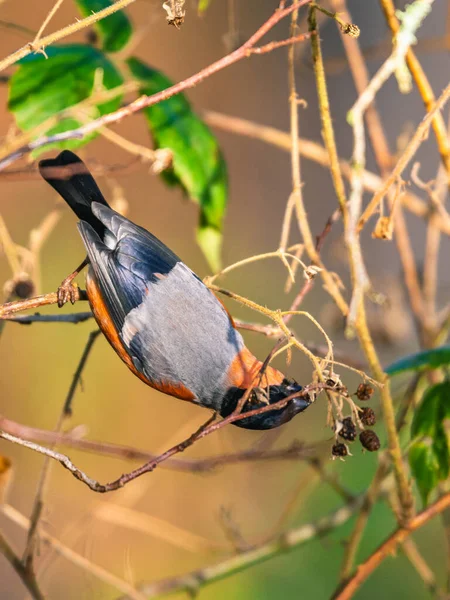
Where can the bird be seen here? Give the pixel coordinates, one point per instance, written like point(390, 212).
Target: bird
point(164, 323)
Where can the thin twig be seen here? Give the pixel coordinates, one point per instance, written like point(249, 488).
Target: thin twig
point(352, 544)
point(9, 308)
point(46, 21)
point(77, 559)
point(66, 411)
point(387, 547)
point(74, 318)
point(412, 553)
point(27, 577)
point(315, 152)
point(407, 155)
point(325, 114)
point(192, 582)
point(150, 466)
point(62, 33)
point(143, 101)
point(294, 452)
point(423, 85)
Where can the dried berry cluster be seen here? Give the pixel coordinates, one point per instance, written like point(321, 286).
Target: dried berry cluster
point(347, 428)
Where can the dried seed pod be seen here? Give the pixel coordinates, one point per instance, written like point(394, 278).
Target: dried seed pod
point(348, 430)
point(369, 440)
point(367, 416)
point(350, 29)
point(23, 288)
point(339, 450)
point(364, 391)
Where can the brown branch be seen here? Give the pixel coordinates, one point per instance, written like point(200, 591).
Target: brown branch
point(62, 33)
point(387, 547)
point(352, 544)
point(206, 429)
point(405, 158)
point(33, 531)
point(295, 451)
point(27, 577)
point(77, 559)
point(192, 582)
point(315, 152)
point(9, 308)
point(424, 87)
point(274, 45)
point(146, 101)
point(31, 173)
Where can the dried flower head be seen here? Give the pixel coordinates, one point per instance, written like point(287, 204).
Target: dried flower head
point(348, 430)
point(339, 450)
point(364, 391)
point(367, 416)
point(369, 440)
point(350, 29)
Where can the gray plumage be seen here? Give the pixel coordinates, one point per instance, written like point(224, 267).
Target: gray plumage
point(174, 328)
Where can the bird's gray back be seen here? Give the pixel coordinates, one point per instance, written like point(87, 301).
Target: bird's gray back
point(182, 333)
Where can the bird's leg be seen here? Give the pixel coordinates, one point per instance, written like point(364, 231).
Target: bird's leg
point(68, 291)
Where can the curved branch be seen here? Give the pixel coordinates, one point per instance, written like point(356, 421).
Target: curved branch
point(387, 547)
point(247, 49)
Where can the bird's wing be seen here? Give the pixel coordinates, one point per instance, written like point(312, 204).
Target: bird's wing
point(126, 263)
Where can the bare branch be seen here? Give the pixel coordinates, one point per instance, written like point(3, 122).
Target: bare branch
point(387, 547)
point(143, 101)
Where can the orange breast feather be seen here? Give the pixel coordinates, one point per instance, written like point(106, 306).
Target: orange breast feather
point(245, 368)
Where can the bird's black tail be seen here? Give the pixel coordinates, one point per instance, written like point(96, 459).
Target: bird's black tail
point(70, 177)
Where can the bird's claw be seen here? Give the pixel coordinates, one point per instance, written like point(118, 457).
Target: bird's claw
point(67, 292)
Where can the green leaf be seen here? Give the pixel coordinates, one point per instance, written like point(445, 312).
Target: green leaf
point(425, 468)
point(428, 413)
point(428, 430)
point(428, 359)
point(202, 6)
point(114, 31)
point(198, 166)
point(210, 241)
point(41, 88)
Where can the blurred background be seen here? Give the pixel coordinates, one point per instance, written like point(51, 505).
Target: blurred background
point(38, 361)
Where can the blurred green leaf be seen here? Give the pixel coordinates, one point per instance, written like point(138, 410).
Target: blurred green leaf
point(198, 165)
point(202, 6)
point(210, 241)
point(427, 414)
point(429, 455)
point(114, 31)
point(42, 87)
point(425, 467)
point(428, 359)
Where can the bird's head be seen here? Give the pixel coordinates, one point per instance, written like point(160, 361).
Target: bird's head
point(260, 397)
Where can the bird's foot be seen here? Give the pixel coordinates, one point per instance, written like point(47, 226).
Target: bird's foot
point(67, 292)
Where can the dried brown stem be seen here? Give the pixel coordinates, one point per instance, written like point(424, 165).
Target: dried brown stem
point(192, 582)
point(294, 452)
point(27, 576)
point(423, 85)
point(77, 559)
point(406, 157)
point(33, 531)
point(146, 101)
point(10, 308)
point(387, 547)
point(206, 429)
point(316, 153)
point(62, 33)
